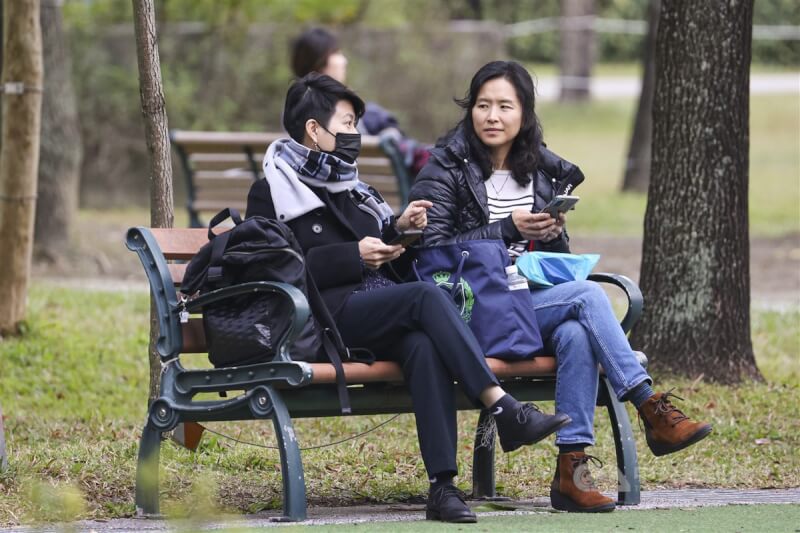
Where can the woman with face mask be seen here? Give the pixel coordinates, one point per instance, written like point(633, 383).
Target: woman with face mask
point(311, 184)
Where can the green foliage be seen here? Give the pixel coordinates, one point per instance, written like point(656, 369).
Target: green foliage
point(596, 137)
point(75, 396)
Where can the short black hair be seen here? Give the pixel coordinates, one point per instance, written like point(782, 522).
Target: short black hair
point(311, 49)
point(315, 96)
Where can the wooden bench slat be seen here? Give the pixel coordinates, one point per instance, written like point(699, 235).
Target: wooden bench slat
point(388, 371)
point(180, 243)
point(217, 205)
point(232, 175)
point(177, 270)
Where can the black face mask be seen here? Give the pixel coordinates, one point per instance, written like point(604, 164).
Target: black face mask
point(347, 147)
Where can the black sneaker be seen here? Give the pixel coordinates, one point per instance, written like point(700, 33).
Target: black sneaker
point(446, 503)
point(526, 425)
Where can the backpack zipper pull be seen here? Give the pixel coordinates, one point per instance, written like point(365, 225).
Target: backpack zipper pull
point(183, 313)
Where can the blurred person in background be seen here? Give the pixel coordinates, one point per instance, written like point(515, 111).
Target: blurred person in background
point(317, 50)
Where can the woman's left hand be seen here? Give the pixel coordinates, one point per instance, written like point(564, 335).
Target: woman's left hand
point(415, 216)
point(557, 228)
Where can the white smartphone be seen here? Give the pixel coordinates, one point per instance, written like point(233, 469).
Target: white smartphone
point(560, 204)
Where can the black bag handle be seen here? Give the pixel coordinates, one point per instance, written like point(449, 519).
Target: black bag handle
point(228, 212)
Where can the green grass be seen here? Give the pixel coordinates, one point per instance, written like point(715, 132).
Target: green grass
point(74, 393)
point(596, 135)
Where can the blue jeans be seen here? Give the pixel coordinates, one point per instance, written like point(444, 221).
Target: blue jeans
point(579, 326)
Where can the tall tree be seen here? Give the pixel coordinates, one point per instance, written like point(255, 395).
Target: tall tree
point(576, 49)
point(156, 129)
point(695, 258)
point(637, 168)
point(3, 459)
point(61, 150)
point(19, 154)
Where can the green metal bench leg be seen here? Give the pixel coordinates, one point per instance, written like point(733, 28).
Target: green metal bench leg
point(627, 461)
point(294, 485)
point(483, 481)
point(147, 472)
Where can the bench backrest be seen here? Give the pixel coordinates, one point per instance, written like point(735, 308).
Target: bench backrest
point(164, 254)
point(220, 167)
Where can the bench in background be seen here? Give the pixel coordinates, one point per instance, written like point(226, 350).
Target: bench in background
point(282, 389)
point(220, 167)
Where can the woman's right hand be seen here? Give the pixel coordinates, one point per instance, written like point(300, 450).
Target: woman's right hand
point(374, 252)
point(533, 226)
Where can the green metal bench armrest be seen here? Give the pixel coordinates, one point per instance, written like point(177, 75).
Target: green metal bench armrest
point(296, 298)
point(170, 339)
point(632, 292)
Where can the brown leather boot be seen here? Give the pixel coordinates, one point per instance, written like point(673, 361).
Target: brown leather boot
point(573, 488)
point(666, 428)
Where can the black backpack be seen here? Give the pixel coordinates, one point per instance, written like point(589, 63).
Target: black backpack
point(244, 330)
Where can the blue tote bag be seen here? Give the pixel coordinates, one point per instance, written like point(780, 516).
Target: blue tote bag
point(473, 273)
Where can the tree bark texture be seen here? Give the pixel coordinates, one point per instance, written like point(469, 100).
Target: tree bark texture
point(695, 259)
point(61, 149)
point(19, 155)
point(3, 459)
point(637, 168)
point(577, 49)
point(156, 129)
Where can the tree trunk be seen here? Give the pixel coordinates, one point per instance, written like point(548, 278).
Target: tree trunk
point(577, 49)
point(696, 254)
point(157, 135)
point(3, 459)
point(61, 150)
point(19, 155)
point(637, 169)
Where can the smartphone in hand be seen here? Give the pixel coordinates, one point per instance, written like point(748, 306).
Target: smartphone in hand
point(560, 204)
point(406, 238)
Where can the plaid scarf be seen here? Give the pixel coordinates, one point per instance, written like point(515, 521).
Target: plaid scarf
point(292, 170)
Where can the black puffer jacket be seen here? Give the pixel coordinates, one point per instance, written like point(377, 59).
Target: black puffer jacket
point(460, 212)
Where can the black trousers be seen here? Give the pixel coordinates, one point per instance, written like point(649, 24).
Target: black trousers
point(418, 326)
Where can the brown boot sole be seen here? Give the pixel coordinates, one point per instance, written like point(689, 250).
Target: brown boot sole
point(565, 503)
point(660, 449)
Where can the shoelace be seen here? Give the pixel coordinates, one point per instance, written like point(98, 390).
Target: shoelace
point(524, 410)
point(664, 407)
point(488, 427)
point(448, 490)
point(586, 475)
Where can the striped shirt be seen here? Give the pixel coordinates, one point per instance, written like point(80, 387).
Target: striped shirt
point(505, 195)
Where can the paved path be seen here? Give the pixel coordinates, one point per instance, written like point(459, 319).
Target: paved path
point(607, 87)
point(360, 514)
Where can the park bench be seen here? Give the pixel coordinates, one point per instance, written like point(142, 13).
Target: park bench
point(282, 390)
point(220, 167)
